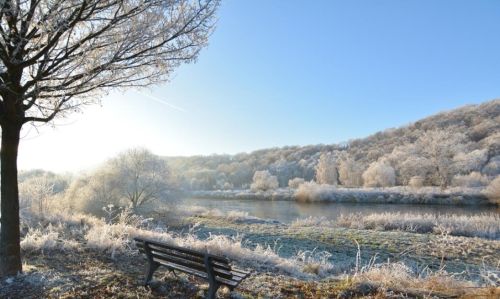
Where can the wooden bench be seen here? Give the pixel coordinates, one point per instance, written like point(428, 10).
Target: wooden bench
point(215, 269)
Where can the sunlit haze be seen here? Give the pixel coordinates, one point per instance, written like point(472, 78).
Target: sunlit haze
point(292, 73)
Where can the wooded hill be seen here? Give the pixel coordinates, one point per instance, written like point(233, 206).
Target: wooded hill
point(460, 147)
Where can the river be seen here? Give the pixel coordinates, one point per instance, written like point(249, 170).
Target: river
point(288, 211)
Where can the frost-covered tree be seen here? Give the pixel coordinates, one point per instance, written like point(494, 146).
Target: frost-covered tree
point(473, 179)
point(440, 147)
point(350, 171)
point(326, 170)
point(263, 180)
point(131, 179)
point(379, 174)
point(35, 192)
point(139, 176)
point(415, 166)
point(470, 162)
point(56, 56)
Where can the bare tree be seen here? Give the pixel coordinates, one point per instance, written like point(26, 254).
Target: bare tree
point(56, 56)
point(139, 176)
point(36, 191)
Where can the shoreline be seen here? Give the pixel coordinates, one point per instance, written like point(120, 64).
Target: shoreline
point(392, 195)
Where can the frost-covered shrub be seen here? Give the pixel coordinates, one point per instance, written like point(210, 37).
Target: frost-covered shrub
point(310, 191)
point(416, 182)
point(473, 179)
point(46, 239)
point(379, 174)
point(295, 183)
point(89, 194)
point(484, 225)
point(493, 190)
point(263, 180)
point(400, 275)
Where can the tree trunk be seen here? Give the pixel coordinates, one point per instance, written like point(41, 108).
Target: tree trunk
point(10, 251)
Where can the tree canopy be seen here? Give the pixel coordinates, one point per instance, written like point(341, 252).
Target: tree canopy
point(58, 55)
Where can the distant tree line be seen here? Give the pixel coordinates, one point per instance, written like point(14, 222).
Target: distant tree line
point(457, 148)
point(460, 148)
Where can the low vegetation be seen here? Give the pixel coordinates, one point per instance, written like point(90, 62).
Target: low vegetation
point(493, 191)
point(482, 226)
point(86, 237)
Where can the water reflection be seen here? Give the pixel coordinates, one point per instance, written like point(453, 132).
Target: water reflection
point(287, 211)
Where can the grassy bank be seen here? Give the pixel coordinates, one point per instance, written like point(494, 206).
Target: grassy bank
point(75, 255)
point(327, 193)
point(482, 226)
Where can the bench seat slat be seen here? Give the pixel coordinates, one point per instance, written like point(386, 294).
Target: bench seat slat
point(190, 257)
point(223, 265)
point(190, 264)
point(234, 269)
point(173, 252)
point(229, 282)
point(186, 250)
point(239, 274)
point(218, 265)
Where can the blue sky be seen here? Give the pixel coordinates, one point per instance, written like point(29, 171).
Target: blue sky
point(294, 73)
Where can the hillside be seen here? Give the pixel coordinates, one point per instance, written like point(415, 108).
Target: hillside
point(467, 138)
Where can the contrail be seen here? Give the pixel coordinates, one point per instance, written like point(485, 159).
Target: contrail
point(156, 99)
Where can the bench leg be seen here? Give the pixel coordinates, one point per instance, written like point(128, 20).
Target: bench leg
point(151, 270)
point(212, 290)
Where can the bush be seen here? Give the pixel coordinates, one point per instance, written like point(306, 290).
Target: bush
point(379, 174)
point(493, 191)
point(416, 182)
point(263, 180)
point(295, 183)
point(311, 191)
point(473, 179)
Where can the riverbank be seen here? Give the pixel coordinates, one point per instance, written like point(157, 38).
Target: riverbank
point(80, 256)
point(390, 195)
point(348, 247)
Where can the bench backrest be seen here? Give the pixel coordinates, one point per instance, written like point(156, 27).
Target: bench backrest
point(201, 262)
